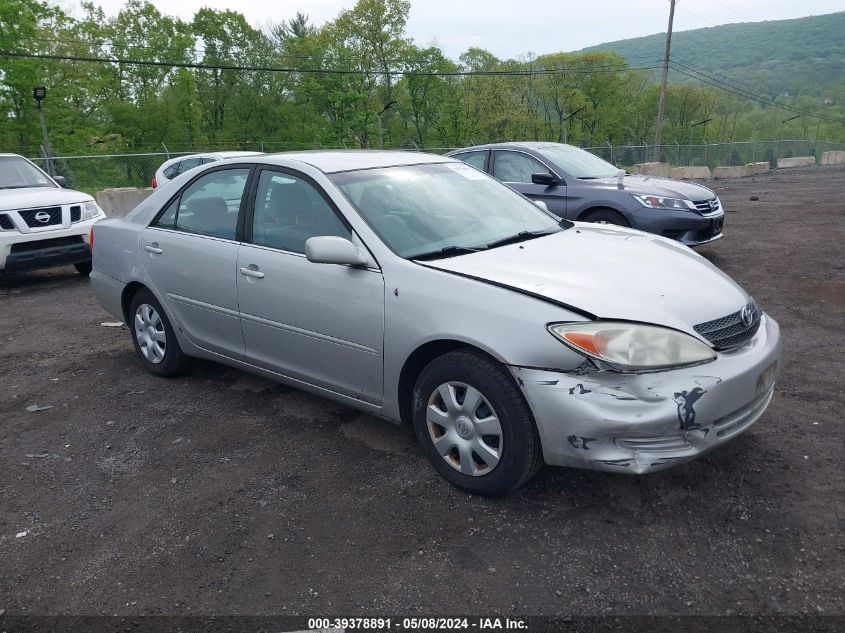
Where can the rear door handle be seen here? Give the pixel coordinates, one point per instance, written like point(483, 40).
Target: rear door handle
point(251, 272)
point(153, 248)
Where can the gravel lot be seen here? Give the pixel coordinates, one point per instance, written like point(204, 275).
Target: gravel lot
point(222, 493)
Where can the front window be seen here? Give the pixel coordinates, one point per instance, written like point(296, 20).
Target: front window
point(424, 209)
point(577, 162)
point(19, 173)
point(516, 167)
point(289, 211)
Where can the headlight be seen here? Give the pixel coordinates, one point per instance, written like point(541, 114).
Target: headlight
point(91, 211)
point(658, 202)
point(631, 347)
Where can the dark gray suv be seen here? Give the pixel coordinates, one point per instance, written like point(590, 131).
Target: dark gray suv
point(577, 185)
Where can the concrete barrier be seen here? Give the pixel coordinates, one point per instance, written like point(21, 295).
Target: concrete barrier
point(738, 171)
point(797, 161)
point(833, 158)
point(661, 170)
point(118, 202)
point(690, 173)
point(757, 168)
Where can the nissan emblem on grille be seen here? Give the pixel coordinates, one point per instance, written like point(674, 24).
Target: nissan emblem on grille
point(42, 217)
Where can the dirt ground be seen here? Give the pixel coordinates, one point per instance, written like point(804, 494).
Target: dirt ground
point(222, 493)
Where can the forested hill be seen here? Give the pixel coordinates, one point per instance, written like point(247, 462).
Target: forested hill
point(801, 56)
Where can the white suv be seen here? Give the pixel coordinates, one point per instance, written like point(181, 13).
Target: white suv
point(41, 224)
point(171, 168)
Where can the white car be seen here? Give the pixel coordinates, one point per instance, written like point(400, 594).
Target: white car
point(41, 224)
point(179, 165)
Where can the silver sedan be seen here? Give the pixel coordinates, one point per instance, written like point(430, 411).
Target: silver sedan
point(423, 291)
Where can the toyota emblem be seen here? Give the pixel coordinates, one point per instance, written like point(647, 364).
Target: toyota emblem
point(42, 217)
point(747, 315)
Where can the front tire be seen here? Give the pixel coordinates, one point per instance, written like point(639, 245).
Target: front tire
point(153, 336)
point(474, 424)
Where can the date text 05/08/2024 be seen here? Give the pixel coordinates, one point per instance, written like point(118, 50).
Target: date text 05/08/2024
point(418, 623)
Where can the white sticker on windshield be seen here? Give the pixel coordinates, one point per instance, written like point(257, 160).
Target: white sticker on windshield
point(466, 171)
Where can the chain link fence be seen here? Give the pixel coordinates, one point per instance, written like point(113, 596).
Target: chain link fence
point(94, 173)
point(714, 154)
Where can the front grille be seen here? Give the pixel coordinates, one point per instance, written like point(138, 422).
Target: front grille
point(75, 213)
point(37, 245)
point(54, 213)
point(708, 207)
point(730, 331)
point(6, 222)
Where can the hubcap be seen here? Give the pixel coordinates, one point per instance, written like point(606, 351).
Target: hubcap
point(149, 330)
point(464, 428)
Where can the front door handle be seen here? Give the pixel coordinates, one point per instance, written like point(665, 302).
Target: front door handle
point(252, 271)
point(153, 248)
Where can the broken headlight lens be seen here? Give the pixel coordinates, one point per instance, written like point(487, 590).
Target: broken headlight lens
point(91, 211)
point(631, 347)
point(659, 202)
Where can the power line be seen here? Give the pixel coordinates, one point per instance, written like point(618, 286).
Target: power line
point(237, 51)
point(326, 71)
point(698, 76)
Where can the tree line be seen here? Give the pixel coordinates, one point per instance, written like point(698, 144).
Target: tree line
point(218, 82)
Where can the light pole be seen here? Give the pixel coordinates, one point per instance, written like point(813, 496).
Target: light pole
point(39, 94)
point(704, 123)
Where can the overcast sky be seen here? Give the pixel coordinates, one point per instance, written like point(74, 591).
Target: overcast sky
point(510, 28)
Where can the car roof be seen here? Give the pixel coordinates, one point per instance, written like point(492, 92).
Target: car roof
point(333, 161)
point(232, 154)
point(513, 144)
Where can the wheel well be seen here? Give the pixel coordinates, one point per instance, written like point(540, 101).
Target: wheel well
point(416, 362)
point(587, 212)
point(126, 298)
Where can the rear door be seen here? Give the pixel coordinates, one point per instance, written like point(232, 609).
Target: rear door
point(322, 324)
point(190, 252)
point(515, 169)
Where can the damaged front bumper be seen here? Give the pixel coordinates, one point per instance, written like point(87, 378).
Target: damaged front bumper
point(638, 423)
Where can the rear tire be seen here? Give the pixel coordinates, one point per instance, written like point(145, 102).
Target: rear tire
point(153, 336)
point(606, 216)
point(474, 424)
point(84, 268)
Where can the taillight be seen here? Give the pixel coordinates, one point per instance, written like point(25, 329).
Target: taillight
point(155, 184)
point(91, 239)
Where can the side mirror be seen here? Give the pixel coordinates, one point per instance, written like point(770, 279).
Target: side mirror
point(544, 179)
point(541, 204)
point(60, 180)
point(330, 249)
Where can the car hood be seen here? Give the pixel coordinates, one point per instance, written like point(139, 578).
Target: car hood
point(611, 273)
point(648, 185)
point(13, 199)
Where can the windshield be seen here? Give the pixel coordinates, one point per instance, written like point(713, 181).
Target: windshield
point(577, 162)
point(450, 207)
point(18, 173)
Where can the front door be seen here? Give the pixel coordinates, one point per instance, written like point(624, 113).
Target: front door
point(515, 170)
point(319, 323)
point(190, 252)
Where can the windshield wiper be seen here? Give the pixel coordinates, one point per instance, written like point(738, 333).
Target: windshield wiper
point(522, 236)
point(448, 251)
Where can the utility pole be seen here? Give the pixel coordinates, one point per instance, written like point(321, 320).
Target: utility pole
point(658, 138)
